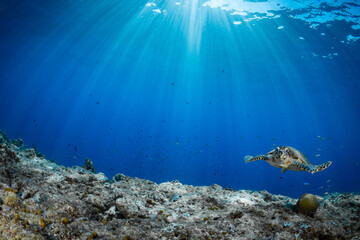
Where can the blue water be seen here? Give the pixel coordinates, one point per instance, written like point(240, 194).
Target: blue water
point(183, 90)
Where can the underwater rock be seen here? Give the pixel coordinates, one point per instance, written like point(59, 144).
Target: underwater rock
point(17, 142)
point(89, 165)
point(120, 177)
point(3, 138)
point(43, 200)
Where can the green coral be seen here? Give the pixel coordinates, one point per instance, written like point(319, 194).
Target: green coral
point(307, 204)
point(11, 200)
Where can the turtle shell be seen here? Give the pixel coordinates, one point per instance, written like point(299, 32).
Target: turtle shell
point(296, 154)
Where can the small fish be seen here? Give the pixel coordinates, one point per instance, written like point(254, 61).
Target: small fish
point(74, 157)
point(273, 139)
point(75, 148)
point(328, 180)
point(306, 183)
point(317, 155)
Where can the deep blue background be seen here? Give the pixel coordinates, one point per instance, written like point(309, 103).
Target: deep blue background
point(179, 95)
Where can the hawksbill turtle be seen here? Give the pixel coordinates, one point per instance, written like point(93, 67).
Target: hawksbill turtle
point(288, 158)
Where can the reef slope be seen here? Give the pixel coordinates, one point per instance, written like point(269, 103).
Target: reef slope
point(42, 200)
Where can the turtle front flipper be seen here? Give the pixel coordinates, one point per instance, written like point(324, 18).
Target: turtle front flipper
point(248, 158)
point(311, 168)
point(286, 163)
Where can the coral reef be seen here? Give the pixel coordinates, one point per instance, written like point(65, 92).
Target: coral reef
point(307, 204)
point(42, 200)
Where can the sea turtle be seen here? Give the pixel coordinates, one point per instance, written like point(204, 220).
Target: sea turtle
point(288, 158)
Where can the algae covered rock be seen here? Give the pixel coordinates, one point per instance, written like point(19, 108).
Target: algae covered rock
point(307, 204)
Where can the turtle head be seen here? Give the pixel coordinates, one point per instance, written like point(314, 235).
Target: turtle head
point(282, 152)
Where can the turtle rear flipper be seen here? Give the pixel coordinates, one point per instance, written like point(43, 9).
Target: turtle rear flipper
point(248, 158)
point(311, 168)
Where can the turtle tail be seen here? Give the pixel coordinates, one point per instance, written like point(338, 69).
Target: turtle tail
point(248, 158)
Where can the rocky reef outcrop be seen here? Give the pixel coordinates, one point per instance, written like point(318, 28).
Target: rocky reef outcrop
point(42, 200)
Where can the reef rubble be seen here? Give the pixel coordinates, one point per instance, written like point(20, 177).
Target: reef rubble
point(42, 200)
